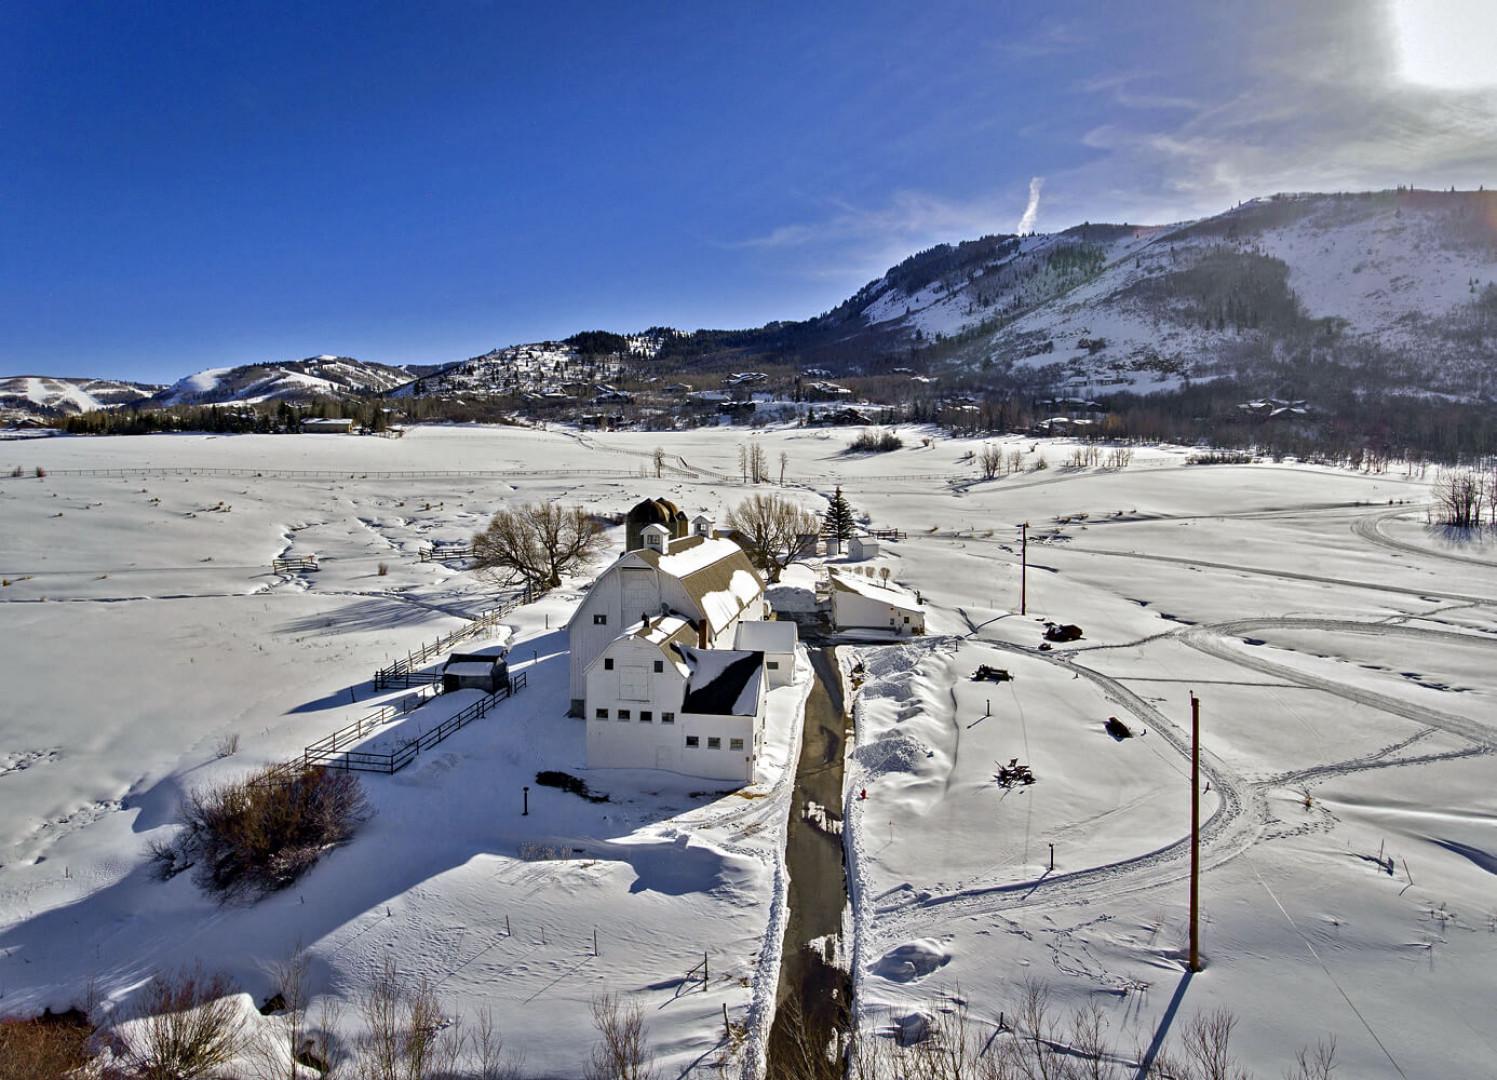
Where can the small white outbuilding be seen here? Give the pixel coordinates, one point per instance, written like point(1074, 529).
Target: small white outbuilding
point(859, 604)
point(777, 641)
point(862, 547)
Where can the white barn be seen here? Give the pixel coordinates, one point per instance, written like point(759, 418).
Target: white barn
point(859, 604)
point(710, 583)
point(656, 701)
point(777, 641)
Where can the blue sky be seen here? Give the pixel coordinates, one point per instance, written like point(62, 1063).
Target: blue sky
point(193, 185)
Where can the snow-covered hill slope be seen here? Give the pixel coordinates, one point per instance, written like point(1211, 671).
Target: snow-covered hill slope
point(44, 395)
point(316, 376)
point(547, 368)
point(1397, 285)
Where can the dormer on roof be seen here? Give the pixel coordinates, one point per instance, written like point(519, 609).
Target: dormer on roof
point(655, 538)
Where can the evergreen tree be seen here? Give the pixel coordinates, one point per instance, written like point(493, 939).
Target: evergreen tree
point(839, 521)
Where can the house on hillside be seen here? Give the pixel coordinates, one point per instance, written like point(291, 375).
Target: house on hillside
point(326, 425)
point(859, 604)
point(708, 581)
point(657, 701)
point(777, 641)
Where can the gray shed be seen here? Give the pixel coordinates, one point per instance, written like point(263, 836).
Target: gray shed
point(475, 671)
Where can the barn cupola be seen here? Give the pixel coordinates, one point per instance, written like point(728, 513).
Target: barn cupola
point(701, 525)
point(655, 538)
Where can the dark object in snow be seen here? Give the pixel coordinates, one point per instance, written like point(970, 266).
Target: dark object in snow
point(988, 673)
point(567, 782)
point(1014, 773)
point(1062, 631)
point(475, 671)
point(1045, 646)
point(1118, 730)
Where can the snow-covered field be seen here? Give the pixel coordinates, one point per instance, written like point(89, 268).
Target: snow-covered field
point(1342, 651)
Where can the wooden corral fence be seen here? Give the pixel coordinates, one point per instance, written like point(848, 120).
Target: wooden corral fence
point(446, 551)
point(288, 563)
point(888, 534)
point(332, 752)
point(407, 670)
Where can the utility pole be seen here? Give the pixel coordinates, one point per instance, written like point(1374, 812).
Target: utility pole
point(1195, 833)
point(1024, 568)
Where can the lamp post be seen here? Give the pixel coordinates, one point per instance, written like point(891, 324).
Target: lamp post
point(526, 812)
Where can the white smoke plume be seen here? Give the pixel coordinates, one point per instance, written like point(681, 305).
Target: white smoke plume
point(1031, 211)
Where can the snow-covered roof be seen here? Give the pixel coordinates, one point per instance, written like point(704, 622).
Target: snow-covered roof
point(722, 682)
point(765, 636)
point(885, 595)
point(470, 667)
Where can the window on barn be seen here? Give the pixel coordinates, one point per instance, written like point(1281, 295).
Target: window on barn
point(735, 744)
point(773, 665)
point(600, 620)
point(714, 743)
point(601, 714)
point(692, 741)
point(607, 663)
point(645, 716)
point(659, 666)
point(667, 718)
point(623, 714)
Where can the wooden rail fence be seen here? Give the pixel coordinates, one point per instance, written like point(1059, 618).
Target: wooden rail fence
point(286, 564)
point(407, 670)
point(332, 752)
point(446, 551)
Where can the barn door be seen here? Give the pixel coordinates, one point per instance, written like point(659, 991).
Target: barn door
point(634, 683)
point(639, 596)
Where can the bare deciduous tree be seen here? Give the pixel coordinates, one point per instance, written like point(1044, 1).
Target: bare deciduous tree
point(623, 1049)
point(536, 543)
point(659, 458)
point(1460, 498)
point(990, 460)
point(773, 528)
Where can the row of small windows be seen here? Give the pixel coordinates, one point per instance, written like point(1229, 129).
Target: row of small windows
point(659, 665)
point(646, 716)
point(713, 743)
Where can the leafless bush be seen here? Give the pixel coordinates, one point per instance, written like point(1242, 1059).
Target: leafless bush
point(188, 1025)
point(1039, 464)
point(990, 460)
point(1033, 1042)
point(875, 442)
point(407, 1036)
point(260, 833)
point(228, 746)
point(17, 471)
point(45, 1048)
point(1120, 457)
point(623, 1051)
point(41, 473)
point(384, 569)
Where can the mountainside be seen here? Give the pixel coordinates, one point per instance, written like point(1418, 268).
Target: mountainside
point(46, 396)
point(1395, 287)
point(298, 380)
point(546, 367)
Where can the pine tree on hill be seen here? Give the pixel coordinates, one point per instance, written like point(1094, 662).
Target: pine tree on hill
point(839, 520)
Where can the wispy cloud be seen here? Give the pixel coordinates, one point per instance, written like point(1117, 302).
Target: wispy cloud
point(1032, 208)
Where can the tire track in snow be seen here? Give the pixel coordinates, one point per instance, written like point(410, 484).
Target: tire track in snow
point(1370, 528)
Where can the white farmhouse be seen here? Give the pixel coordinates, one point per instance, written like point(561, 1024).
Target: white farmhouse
point(859, 604)
point(777, 641)
point(655, 701)
point(711, 583)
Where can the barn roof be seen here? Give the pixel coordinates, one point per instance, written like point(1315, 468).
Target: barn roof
point(717, 574)
point(722, 682)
